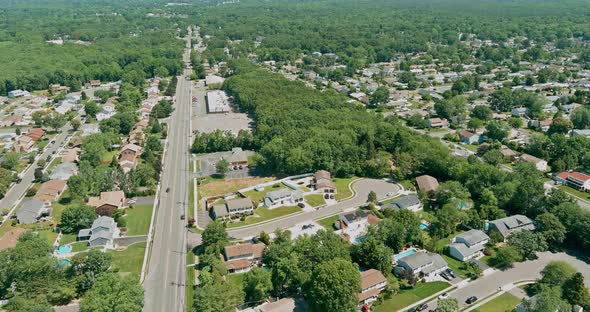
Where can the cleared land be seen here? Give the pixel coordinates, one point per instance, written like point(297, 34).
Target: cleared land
point(406, 297)
point(315, 200)
point(262, 214)
point(138, 219)
point(220, 186)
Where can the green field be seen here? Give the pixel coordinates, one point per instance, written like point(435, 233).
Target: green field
point(328, 222)
point(257, 196)
point(574, 192)
point(138, 219)
point(67, 238)
point(79, 246)
point(456, 265)
point(342, 190)
point(503, 303)
point(129, 260)
point(406, 297)
point(237, 280)
point(315, 200)
point(263, 214)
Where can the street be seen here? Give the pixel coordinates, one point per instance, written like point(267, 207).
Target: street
point(165, 280)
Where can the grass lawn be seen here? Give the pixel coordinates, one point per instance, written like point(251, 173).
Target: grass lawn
point(573, 191)
point(409, 296)
point(503, 303)
point(215, 187)
point(56, 161)
point(67, 238)
point(456, 266)
point(258, 196)
point(106, 158)
point(407, 184)
point(190, 282)
point(315, 200)
point(237, 280)
point(79, 246)
point(138, 219)
point(470, 147)
point(48, 235)
point(263, 214)
point(191, 197)
point(342, 189)
point(41, 144)
point(129, 260)
point(328, 222)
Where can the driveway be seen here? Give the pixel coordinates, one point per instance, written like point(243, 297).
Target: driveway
point(361, 187)
point(522, 271)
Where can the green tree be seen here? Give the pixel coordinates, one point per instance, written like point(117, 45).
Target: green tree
point(76, 124)
point(528, 243)
point(482, 112)
point(380, 96)
point(75, 218)
point(372, 197)
point(580, 118)
point(547, 300)
point(551, 229)
point(257, 284)
point(215, 236)
point(222, 167)
point(372, 254)
point(218, 296)
point(560, 125)
point(506, 256)
point(497, 130)
point(333, 286)
point(287, 276)
point(574, 290)
point(91, 109)
point(447, 305)
point(446, 221)
point(111, 292)
point(474, 124)
point(10, 161)
point(556, 273)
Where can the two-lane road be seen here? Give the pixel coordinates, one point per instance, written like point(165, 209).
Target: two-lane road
point(166, 278)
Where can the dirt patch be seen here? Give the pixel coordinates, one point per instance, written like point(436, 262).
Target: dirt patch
point(221, 187)
point(10, 239)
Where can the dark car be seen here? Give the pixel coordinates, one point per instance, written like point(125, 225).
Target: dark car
point(301, 205)
point(167, 189)
point(451, 273)
point(422, 307)
point(445, 276)
point(471, 300)
point(182, 217)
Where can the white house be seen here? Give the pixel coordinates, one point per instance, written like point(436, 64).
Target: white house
point(574, 179)
point(539, 163)
point(422, 264)
point(283, 197)
point(372, 284)
point(468, 245)
point(103, 231)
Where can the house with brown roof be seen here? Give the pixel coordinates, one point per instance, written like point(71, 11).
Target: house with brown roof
point(108, 202)
point(241, 258)
point(322, 182)
point(438, 123)
point(35, 133)
point(508, 154)
point(372, 284)
point(70, 155)
point(51, 190)
point(128, 157)
point(352, 226)
point(539, 163)
point(23, 144)
point(468, 137)
point(11, 120)
point(427, 184)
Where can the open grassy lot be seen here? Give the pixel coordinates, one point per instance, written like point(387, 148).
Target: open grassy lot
point(138, 219)
point(409, 296)
point(214, 187)
point(67, 238)
point(328, 222)
point(583, 195)
point(258, 196)
point(503, 303)
point(129, 260)
point(237, 280)
point(263, 214)
point(342, 189)
point(315, 200)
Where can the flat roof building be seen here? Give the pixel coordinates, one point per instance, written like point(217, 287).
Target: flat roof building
point(217, 102)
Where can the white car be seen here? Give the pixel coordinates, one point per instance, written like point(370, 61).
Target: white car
point(443, 296)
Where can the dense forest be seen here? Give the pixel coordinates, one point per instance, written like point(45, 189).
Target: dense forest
point(106, 41)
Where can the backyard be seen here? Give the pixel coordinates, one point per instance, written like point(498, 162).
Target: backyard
point(129, 260)
point(263, 214)
point(315, 200)
point(503, 303)
point(138, 219)
point(258, 196)
point(406, 297)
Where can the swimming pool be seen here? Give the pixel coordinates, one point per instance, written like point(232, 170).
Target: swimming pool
point(424, 226)
point(404, 254)
point(64, 249)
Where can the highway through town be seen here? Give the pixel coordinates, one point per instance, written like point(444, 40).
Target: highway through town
point(166, 278)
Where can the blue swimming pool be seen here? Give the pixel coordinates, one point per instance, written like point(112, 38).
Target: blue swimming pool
point(424, 226)
point(404, 254)
point(64, 249)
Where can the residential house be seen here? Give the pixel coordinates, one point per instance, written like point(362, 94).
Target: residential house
point(508, 225)
point(233, 207)
point(427, 184)
point(468, 137)
point(102, 233)
point(32, 210)
point(51, 190)
point(360, 96)
point(520, 112)
point(11, 120)
point(322, 182)
point(241, 258)
point(238, 157)
point(468, 245)
point(282, 197)
point(56, 88)
point(17, 93)
point(410, 202)
point(94, 83)
point(578, 180)
point(108, 202)
point(542, 125)
point(438, 123)
point(352, 226)
point(283, 305)
point(539, 163)
point(422, 264)
point(372, 284)
point(23, 144)
point(70, 155)
point(581, 132)
point(509, 155)
point(64, 171)
point(128, 157)
point(89, 129)
point(108, 111)
point(35, 134)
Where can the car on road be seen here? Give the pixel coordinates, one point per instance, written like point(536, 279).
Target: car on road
point(167, 190)
point(445, 276)
point(422, 307)
point(443, 296)
point(471, 300)
point(182, 217)
point(389, 194)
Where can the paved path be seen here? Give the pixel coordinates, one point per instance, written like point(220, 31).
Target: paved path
point(522, 271)
point(166, 277)
point(361, 187)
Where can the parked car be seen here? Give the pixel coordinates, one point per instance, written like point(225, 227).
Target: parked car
point(471, 300)
point(301, 205)
point(445, 276)
point(182, 217)
point(451, 273)
point(422, 307)
point(443, 296)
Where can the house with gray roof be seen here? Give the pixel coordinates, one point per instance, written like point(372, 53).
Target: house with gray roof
point(410, 202)
point(233, 207)
point(507, 226)
point(468, 245)
point(283, 197)
point(422, 264)
point(32, 210)
point(104, 229)
point(64, 171)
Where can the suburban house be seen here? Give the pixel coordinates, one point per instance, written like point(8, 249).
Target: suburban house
point(438, 123)
point(108, 111)
point(128, 157)
point(282, 197)
point(283, 305)
point(508, 154)
point(520, 111)
point(70, 155)
point(422, 264)
point(23, 144)
point(352, 226)
point(507, 226)
point(577, 180)
point(427, 184)
point(35, 133)
point(410, 202)
point(51, 190)
point(93, 83)
point(322, 182)
point(108, 202)
point(64, 171)
point(241, 258)
point(237, 158)
point(539, 163)
point(232, 207)
point(468, 245)
point(11, 120)
point(469, 137)
point(581, 132)
point(103, 231)
point(17, 93)
point(89, 129)
point(56, 88)
point(372, 284)
point(32, 210)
